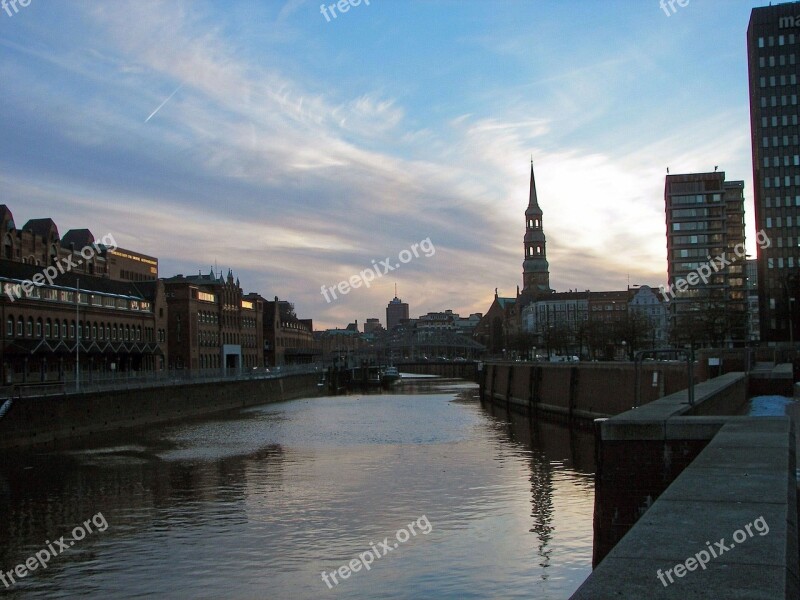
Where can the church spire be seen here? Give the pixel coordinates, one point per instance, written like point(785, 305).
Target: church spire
point(533, 199)
point(535, 269)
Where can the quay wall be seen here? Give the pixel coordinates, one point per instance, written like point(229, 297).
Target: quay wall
point(583, 391)
point(47, 420)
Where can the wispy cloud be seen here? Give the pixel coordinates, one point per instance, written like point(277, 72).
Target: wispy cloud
point(283, 161)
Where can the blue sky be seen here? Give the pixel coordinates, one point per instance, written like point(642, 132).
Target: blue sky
point(297, 150)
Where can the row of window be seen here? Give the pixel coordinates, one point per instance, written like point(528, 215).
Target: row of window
point(785, 121)
point(779, 141)
point(679, 240)
point(207, 317)
point(785, 100)
point(788, 161)
point(780, 263)
point(678, 213)
point(212, 338)
point(787, 201)
point(695, 199)
point(780, 61)
point(698, 226)
point(696, 252)
point(782, 40)
point(55, 329)
point(778, 242)
point(85, 298)
point(775, 80)
point(781, 222)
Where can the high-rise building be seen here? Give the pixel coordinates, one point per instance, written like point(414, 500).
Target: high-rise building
point(705, 236)
point(535, 269)
point(773, 50)
point(396, 311)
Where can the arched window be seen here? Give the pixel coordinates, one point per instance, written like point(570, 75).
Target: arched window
point(39, 328)
point(72, 330)
point(139, 333)
point(29, 331)
point(48, 329)
point(108, 331)
point(10, 327)
point(94, 331)
point(114, 333)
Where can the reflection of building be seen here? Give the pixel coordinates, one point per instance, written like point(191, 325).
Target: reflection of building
point(287, 339)
point(753, 333)
point(396, 312)
point(59, 291)
point(705, 221)
point(211, 325)
point(772, 48)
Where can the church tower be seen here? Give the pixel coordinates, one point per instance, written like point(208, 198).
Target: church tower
point(535, 270)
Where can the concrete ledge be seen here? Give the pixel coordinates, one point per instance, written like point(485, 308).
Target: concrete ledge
point(650, 422)
point(746, 472)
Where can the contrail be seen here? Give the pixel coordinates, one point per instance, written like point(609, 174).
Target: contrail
point(163, 103)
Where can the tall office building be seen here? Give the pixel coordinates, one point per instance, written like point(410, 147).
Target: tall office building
point(773, 50)
point(396, 311)
point(705, 220)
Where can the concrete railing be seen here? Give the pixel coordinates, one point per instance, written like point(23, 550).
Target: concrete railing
point(725, 528)
point(671, 477)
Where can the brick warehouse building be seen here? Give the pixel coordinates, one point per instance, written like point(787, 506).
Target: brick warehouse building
point(287, 339)
point(120, 325)
point(212, 325)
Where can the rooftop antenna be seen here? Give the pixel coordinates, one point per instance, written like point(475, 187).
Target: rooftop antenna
point(395, 289)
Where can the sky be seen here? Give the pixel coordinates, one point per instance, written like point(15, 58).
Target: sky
point(300, 149)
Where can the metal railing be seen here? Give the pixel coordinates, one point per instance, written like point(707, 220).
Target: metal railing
point(137, 380)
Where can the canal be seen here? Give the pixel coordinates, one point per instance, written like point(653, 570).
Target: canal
point(420, 492)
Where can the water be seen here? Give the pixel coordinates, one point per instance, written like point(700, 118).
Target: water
point(257, 504)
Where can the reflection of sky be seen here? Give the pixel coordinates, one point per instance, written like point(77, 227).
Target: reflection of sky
point(770, 406)
point(190, 516)
point(297, 151)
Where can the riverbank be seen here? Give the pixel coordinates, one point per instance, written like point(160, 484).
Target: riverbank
point(48, 420)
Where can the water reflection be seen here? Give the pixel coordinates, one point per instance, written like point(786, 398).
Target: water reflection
point(258, 503)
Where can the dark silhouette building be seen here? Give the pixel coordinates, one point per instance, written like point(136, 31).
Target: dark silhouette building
point(773, 50)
